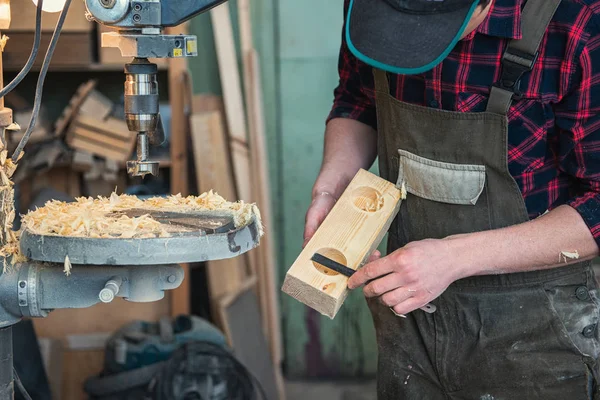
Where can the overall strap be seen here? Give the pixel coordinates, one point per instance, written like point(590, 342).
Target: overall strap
point(381, 80)
point(520, 55)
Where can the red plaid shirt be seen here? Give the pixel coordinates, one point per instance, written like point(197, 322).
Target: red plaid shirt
point(554, 131)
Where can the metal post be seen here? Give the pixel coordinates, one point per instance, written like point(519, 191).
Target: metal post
point(7, 389)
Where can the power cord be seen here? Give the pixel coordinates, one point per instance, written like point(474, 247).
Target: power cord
point(34, 51)
point(40, 84)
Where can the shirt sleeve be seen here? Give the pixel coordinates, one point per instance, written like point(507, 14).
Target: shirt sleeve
point(354, 96)
point(578, 124)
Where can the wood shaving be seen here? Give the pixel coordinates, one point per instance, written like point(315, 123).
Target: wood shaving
point(68, 266)
point(565, 256)
point(100, 218)
point(10, 251)
point(3, 41)
point(403, 191)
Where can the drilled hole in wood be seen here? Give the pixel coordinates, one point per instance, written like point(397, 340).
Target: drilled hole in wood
point(334, 255)
point(368, 199)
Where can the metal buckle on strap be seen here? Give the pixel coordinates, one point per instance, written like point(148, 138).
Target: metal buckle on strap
point(514, 65)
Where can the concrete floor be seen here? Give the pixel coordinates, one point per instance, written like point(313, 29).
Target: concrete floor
point(330, 391)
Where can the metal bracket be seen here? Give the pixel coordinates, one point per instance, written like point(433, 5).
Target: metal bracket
point(152, 46)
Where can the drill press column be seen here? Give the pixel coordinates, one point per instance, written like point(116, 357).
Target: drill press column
point(142, 113)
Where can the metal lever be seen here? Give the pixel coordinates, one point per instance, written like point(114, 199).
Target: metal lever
point(111, 288)
point(348, 272)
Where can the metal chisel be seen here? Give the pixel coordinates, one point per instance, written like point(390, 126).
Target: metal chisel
point(348, 272)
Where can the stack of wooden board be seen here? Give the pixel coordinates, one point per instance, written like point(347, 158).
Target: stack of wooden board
point(91, 128)
point(109, 138)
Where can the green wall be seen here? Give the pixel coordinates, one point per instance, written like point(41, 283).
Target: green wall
point(298, 43)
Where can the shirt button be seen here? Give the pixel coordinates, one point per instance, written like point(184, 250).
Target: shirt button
point(582, 293)
point(434, 103)
point(589, 331)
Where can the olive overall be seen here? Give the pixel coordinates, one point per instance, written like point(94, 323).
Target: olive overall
point(512, 336)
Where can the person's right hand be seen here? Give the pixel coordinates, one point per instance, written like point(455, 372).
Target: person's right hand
point(319, 209)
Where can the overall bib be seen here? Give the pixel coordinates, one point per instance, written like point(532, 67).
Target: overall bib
point(513, 336)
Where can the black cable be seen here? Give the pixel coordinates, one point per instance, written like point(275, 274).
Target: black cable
point(20, 385)
point(34, 51)
point(203, 359)
point(40, 84)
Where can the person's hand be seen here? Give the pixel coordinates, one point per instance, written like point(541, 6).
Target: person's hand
point(410, 277)
point(319, 209)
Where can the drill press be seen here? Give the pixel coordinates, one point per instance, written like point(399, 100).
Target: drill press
point(138, 33)
point(137, 269)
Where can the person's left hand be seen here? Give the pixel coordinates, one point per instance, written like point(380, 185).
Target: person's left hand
point(410, 277)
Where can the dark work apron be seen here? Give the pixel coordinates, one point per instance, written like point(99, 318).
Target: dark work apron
point(512, 336)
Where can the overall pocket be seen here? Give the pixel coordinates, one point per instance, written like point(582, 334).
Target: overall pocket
point(442, 198)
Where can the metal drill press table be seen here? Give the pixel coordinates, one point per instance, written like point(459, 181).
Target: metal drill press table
point(136, 269)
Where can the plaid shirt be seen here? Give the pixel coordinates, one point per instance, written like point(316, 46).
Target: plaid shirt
point(554, 131)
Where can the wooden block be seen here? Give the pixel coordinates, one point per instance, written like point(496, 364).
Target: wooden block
point(112, 55)
point(96, 105)
point(82, 161)
point(349, 235)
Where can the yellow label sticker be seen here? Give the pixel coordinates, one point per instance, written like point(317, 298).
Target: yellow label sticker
point(191, 47)
point(177, 53)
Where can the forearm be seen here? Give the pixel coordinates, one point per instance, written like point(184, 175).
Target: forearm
point(556, 239)
point(349, 146)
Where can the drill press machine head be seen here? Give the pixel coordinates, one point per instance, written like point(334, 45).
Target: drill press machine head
point(138, 27)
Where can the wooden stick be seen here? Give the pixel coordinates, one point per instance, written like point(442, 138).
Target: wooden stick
point(179, 86)
point(267, 268)
point(214, 173)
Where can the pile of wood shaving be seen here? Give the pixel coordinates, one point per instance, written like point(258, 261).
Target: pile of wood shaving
point(10, 250)
point(91, 218)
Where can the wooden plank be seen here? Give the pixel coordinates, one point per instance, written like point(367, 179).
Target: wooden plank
point(351, 232)
point(78, 367)
point(104, 138)
point(95, 148)
point(213, 171)
point(259, 158)
point(180, 88)
point(112, 126)
point(241, 316)
point(232, 97)
point(228, 70)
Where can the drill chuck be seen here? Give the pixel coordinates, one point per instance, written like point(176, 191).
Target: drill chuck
point(141, 96)
point(142, 113)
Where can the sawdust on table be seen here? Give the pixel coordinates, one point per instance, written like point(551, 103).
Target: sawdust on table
point(100, 218)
